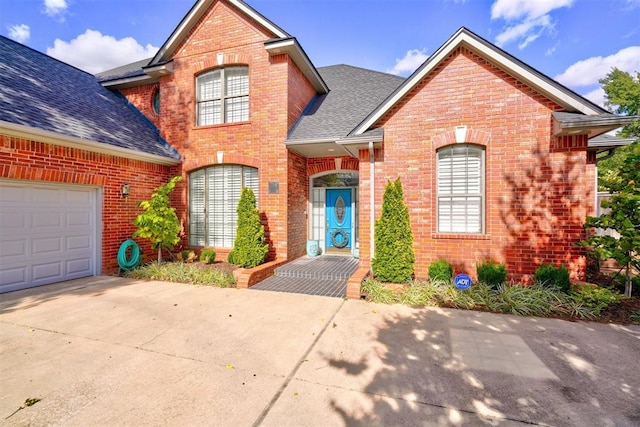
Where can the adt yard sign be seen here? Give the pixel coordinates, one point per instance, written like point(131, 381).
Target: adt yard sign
point(462, 281)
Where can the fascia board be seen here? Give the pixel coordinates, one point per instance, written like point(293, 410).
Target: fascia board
point(40, 135)
point(128, 82)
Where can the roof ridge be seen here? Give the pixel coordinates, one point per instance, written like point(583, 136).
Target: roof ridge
point(364, 69)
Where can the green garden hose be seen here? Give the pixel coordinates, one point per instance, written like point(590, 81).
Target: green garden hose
point(131, 263)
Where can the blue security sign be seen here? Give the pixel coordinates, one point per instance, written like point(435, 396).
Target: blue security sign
point(462, 281)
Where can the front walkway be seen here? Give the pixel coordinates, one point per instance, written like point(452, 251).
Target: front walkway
point(325, 275)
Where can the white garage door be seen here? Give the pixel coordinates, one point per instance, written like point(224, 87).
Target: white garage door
point(47, 234)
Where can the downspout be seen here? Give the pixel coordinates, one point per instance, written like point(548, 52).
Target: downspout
point(372, 174)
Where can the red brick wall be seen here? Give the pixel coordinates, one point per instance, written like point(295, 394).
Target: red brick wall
point(142, 98)
point(38, 161)
point(538, 188)
point(278, 92)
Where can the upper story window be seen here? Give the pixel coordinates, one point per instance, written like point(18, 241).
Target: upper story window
point(461, 189)
point(223, 96)
point(155, 101)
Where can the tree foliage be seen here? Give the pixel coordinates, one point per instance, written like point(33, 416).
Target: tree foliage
point(623, 216)
point(249, 248)
point(394, 258)
point(622, 96)
point(159, 222)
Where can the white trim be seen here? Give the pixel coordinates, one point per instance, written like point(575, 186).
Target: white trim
point(128, 82)
point(464, 38)
point(40, 135)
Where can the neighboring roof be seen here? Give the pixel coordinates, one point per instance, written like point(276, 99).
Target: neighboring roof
point(40, 95)
point(126, 71)
point(607, 142)
point(281, 42)
point(354, 93)
point(569, 100)
point(593, 125)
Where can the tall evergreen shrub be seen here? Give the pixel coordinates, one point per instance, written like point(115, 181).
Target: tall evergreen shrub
point(249, 248)
point(394, 258)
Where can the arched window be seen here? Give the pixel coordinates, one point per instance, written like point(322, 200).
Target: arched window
point(223, 96)
point(461, 189)
point(214, 193)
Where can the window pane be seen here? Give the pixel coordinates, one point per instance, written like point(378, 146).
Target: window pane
point(209, 113)
point(236, 109)
point(237, 81)
point(196, 208)
point(209, 86)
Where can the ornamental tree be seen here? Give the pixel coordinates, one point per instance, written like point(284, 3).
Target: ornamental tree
point(249, 248)
point(623, 216)
point(159, 222)
point(394, 258)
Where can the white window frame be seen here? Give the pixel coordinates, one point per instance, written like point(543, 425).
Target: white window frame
point(469, 222)
point(213, 220)
point(207, 98)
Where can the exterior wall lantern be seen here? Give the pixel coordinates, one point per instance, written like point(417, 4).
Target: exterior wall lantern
point(124, 191)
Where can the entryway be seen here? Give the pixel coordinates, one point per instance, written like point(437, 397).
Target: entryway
point(334, 212)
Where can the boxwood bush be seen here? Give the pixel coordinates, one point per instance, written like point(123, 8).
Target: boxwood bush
point(208, 256)
point(491, 273)
point(440, 270)
point(553, 277)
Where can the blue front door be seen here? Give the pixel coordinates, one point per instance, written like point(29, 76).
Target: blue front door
point(338, 218)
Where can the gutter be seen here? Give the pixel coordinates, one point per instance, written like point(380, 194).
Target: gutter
point(27, 132)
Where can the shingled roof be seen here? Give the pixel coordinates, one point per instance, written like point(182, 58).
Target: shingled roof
point(354, 94)
point(42, 93)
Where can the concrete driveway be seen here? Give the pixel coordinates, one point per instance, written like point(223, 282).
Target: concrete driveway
point(111, 351)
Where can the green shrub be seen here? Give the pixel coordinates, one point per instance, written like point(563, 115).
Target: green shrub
point(208, 256)
point(187, 255)
point(553, 277)
point(394, 258)
point(440, 270)
point(378, 292)
point(249, 248)
point(597, 299)
point(491, 274)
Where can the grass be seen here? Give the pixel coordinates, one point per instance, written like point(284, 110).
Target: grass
point(183, 273)
point(536, 300)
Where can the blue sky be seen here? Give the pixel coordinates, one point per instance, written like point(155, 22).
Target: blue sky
point(574, 41)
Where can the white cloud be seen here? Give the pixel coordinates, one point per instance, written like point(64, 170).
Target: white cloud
point(407, 65)
point(589, 71)
point(20, 33)
point(55, 8)
point(596, 96)
point(95, 52)
point(526, 20)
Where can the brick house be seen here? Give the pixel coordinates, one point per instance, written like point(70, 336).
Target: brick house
point(496, 159)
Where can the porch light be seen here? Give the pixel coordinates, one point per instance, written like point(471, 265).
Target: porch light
point(124, 191)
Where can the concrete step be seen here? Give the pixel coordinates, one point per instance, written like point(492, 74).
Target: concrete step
point(307, 286)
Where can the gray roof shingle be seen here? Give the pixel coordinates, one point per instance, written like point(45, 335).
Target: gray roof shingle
point(128, 70)
point(353, 94)
point(41, 92)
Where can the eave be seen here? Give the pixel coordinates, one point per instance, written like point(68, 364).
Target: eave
point(36, 134)
point(291, 47)
point(335, 147)
point(593, 125)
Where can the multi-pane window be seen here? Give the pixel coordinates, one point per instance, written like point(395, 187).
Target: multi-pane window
point(223, 96)
point(460, 189)
point(214, 193)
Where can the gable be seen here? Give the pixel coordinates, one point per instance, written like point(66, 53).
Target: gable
point(466, 88)
point(522, 73)
point(206, 35)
